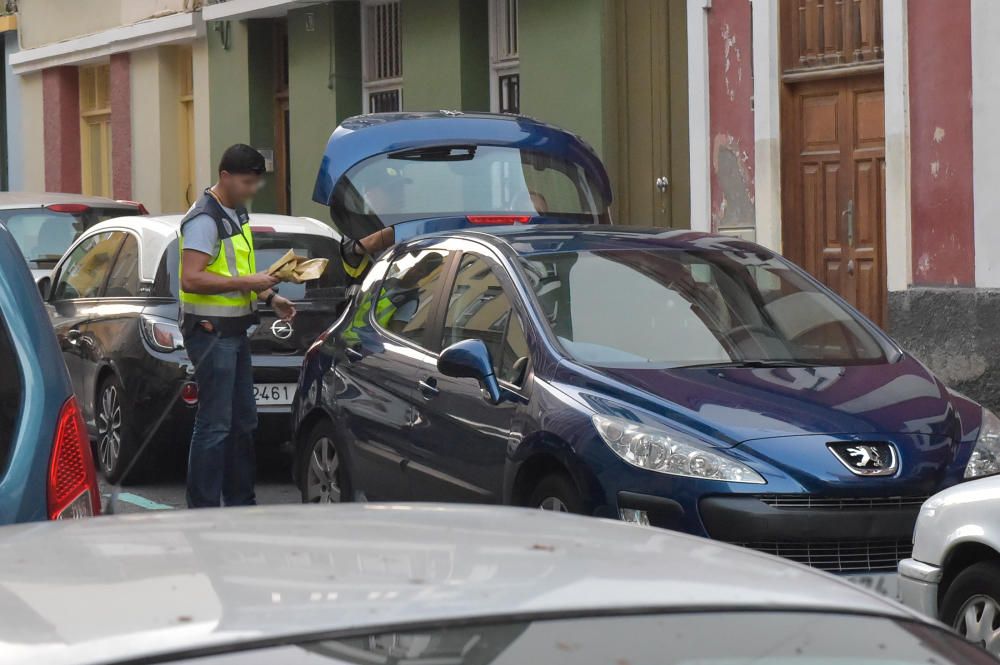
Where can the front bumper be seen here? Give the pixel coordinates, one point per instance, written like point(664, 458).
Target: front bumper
point(918, 586)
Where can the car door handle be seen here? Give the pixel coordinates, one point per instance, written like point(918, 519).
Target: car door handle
point(73, 336)
point(428, 387)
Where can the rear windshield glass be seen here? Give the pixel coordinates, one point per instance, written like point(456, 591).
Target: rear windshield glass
point(678, 308)
point(464, 180)
point(44, 235)
point(10, 393)
point(709, 638)
point(268, 248)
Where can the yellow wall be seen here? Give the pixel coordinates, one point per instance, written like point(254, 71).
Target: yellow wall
point(32, 117)
point(155, 121)
point(204, 169)
point(46, 21)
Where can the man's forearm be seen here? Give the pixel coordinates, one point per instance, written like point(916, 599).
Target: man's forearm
point(209, 284)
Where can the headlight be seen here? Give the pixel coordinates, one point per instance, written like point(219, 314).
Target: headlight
point(670, 452)
point(985, 460)
point(162, 334)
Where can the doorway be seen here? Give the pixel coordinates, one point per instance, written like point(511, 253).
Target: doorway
point(654, 171)
point(833, 147)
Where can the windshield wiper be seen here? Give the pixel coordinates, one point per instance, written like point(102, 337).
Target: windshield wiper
point(437, 153)
point(750, 364)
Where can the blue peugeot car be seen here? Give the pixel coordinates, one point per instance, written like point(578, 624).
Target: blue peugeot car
point(46, 467)
point(664, 377)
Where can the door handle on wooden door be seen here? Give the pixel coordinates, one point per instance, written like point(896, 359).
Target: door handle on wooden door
point(849, 213)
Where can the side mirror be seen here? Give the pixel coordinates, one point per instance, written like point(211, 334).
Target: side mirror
point(471, 359)
point(44, 284)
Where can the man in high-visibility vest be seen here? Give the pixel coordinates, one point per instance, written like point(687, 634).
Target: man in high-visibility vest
point(219, 290)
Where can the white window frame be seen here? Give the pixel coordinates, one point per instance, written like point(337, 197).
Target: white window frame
point(503, 60)
point(371, 83)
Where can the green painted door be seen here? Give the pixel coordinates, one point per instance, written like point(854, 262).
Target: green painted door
point(654, 171)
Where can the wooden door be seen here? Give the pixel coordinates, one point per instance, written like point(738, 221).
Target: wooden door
point(834, 195)
point(653, 175)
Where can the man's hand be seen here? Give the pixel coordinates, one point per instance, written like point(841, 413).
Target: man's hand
point(258, 282)
point(283, 307)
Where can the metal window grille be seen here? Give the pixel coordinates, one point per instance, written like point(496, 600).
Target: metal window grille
point(383, 56)
point(384, 101)
point(505, 25)
point(504, 58)
point(509, 93)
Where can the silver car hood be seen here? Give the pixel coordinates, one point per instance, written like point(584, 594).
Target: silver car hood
point(110, 588)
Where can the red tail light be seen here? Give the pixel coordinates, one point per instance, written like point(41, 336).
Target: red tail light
point(189, 393)
point(498, 220)
point(141, 208)
point(262, 229)
point(71, 208)
point(72, 490)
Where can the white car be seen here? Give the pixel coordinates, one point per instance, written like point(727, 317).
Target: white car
point(954, 574)
point(424, 584)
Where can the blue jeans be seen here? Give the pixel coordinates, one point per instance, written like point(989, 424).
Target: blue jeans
point(221, 464)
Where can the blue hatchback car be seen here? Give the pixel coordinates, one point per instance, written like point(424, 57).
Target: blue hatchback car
point(678, 379)
point(46, 467)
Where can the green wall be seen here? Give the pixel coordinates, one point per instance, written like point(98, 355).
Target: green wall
point(261, 62)
point(445, 55)
point(324, 68)
point(229, 86)
point(564, 66)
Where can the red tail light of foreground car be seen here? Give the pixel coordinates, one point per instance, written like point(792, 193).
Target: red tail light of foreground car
point(72, 485)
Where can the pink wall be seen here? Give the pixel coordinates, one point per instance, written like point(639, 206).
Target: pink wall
point(61, 126)
point(121, 127)
point(730, 85)
point(941, 142)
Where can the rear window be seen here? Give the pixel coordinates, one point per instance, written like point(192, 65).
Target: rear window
point(10, 393)
point(268, 248)
point(43, 235)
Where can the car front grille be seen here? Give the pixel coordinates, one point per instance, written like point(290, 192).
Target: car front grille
point(872, 556)
point(841, 503)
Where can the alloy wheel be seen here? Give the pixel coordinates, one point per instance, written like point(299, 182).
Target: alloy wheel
point(554, 504)
point(979, 621)
point(109, 429)
point(322, 476)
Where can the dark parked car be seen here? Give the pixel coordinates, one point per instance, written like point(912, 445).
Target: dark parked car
point(688, 381)
point(113, 304)
point(46, 469)
point(46, 224)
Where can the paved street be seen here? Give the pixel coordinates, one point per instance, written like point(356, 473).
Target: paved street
point(274, 485)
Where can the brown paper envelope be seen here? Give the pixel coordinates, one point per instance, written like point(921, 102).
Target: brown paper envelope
point(310, 269)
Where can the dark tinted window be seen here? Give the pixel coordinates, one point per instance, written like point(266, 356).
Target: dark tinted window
point(268, 248)
point(708, 638)
point(44, 235)
point(10, 393)
point(478, 308)
point(404, 305)
point(124, 279)
point(84, 272)
point(635, 308)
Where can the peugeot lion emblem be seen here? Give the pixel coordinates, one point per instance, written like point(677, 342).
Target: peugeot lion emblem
point(866, 459)
point(281, 329)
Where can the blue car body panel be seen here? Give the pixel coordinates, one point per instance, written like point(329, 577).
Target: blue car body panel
point(46, 386)
point(361, 137)
point(776, 420)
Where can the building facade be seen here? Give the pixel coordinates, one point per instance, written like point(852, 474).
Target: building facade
point(855, 137)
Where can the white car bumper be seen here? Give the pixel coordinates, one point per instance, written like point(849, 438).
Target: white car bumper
point(918, 586)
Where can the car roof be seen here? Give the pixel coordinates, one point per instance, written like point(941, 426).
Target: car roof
point(528, 240)
point(158, 231)
point(364, 136)
point(41, 199)
point(176, 580)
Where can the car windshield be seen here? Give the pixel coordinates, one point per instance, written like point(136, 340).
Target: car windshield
point(465, 180)
point(683, 308)
point(749, 638)
point(43, 235)
point(268, 248)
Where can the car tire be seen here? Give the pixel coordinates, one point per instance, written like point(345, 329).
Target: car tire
point(320, 468)
point(116, 442)
point(971, 605)
point(558, 493)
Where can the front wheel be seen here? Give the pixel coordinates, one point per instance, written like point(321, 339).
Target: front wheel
point(115, 435)
point(320, 467)
point(557, 493)
point(972, 605)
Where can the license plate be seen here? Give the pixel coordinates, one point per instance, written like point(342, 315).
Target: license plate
point(886, 584)
point(273, 394)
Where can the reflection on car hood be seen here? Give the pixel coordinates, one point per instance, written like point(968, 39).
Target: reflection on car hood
point(752, 403)
point(130, 586)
